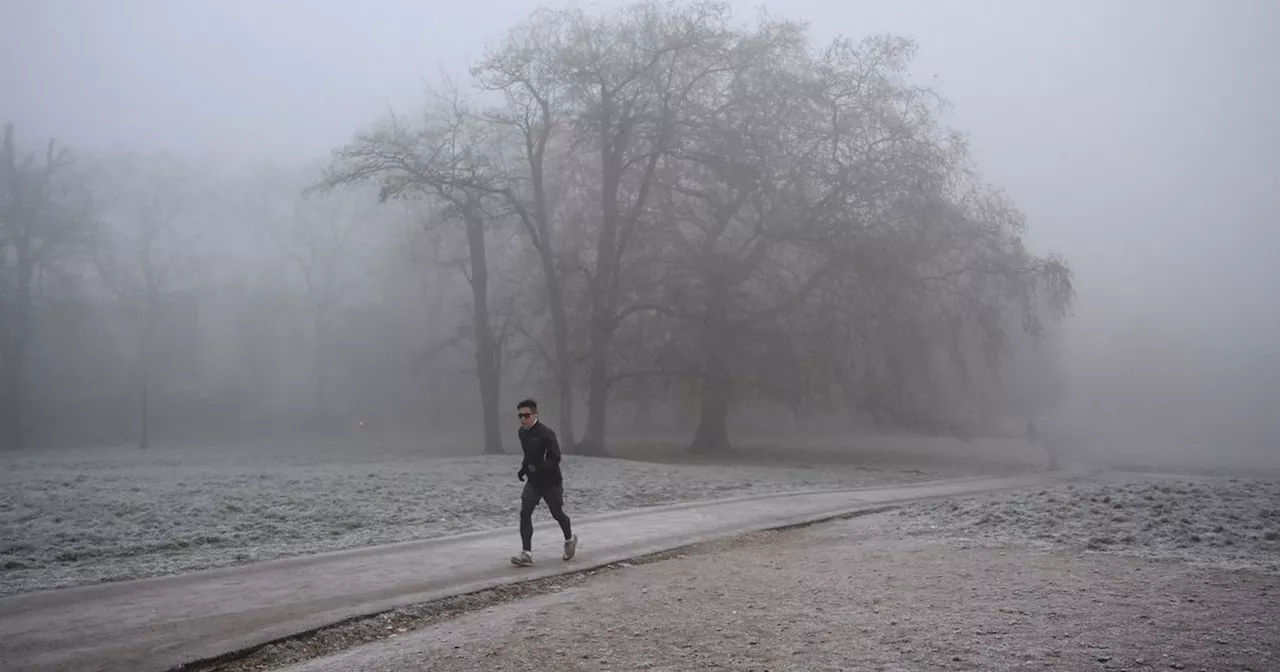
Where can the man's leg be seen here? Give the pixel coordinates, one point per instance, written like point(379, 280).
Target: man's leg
point(555, 502)
point(528, 502)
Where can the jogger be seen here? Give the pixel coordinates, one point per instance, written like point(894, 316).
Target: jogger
point(541, 464)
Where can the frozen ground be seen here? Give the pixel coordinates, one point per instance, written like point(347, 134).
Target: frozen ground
point(853, 595)
point(88, 516)
point(1220, 522)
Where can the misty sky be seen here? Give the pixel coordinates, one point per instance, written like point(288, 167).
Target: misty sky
point(1140, 136)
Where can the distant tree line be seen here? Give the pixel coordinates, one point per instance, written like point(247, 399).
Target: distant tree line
point(652, 204)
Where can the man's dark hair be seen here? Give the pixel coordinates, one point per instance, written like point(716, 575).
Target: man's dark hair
point(529, 404)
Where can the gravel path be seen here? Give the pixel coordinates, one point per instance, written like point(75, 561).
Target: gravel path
point(887, 592)
point(841, 597)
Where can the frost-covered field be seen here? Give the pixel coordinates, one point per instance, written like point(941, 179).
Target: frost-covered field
point(87, 516)
point(1218, 522)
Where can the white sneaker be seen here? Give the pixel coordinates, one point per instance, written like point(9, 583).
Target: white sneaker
point(570, 547)
point(525, 559)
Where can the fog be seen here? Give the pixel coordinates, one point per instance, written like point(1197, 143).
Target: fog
point(1138, 138)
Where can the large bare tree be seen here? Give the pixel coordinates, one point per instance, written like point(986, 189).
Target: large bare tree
point(807, 196)
point(524, 69)
point(445, 162)
point(727, 212)
point(619, 81)
point(44, 215)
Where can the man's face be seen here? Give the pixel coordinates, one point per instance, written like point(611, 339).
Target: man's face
point(528, 416)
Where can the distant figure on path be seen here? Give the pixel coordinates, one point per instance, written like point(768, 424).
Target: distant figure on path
point(1050, 444)
point(541, 465)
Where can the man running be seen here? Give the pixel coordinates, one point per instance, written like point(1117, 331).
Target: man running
point(542, 466)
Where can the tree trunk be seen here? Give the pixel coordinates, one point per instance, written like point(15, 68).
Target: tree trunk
point(555, 296)
point(604, 285)
point(144, 372)
point(597, 396)
point(13, 415)
point(602, 325)
point(712, 435)
point(321, 401)
point(560, 334)
point(144, 441)
point(486, 348)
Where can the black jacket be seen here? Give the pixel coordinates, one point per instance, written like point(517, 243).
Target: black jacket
point(541, 455)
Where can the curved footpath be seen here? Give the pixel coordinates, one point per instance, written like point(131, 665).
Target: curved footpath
point(161, 623)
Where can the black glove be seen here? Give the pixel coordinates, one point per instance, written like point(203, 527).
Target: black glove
point(520, 474)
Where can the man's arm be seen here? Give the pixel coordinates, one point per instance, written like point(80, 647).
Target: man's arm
point(524, 460)
point(552, 456)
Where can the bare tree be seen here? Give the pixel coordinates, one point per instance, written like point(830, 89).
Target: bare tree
point(809, 198)
point(43, 220)
point(445, 162)
point(525, 70)
point(621, 79)
point(721, 211)
point(146, 253)
point(316, 235)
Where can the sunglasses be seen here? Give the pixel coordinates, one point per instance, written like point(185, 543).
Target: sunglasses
point(524, 416)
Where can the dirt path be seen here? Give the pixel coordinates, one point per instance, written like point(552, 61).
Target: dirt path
point(856, 595)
